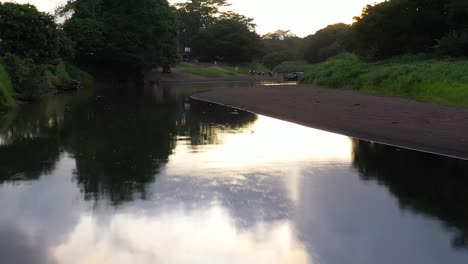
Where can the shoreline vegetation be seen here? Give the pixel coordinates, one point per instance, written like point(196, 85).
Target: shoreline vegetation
point(221, 70)
point(36, 56)
point(419, 77)
point(375, 54)
point(24, 80)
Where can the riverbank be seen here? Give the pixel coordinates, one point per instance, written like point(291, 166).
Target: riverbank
point(387, 120)
point(419, 77)
point(23, 80)
point(180, 75)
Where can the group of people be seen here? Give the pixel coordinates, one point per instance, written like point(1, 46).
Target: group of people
point(254, 72)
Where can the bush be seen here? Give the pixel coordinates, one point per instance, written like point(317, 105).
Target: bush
point(454, 44)
point(442, 81)
point(6, 89)
point(61, 72)
point(327, 42)
point(30, 81)
point(77, 74)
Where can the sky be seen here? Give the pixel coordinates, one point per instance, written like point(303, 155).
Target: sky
point(302, 17)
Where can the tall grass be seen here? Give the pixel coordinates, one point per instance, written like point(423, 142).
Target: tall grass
point(77, 74)
point(205, 71)
point(24, 80)
point(437, 80)
point(6, 89)
point(64, 72)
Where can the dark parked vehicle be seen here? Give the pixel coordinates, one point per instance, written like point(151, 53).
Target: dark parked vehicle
point(293, 76)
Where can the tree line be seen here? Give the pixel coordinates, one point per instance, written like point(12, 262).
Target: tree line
point(37, 54)
point(130, 36)
point(397, 27)
point(384, 30)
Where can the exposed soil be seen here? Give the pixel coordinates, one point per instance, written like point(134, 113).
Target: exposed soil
point(388, 120)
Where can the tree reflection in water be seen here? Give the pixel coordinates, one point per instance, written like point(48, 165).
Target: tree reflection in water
point(423, 183)
point(119, 143)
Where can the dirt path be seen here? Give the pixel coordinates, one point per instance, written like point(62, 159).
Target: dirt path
point(393, 121)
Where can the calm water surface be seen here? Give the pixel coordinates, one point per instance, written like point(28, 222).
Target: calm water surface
point(147, 177)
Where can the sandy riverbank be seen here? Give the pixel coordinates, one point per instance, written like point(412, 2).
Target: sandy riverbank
point(394, 121)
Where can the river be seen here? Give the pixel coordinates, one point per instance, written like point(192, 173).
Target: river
point(148, 176)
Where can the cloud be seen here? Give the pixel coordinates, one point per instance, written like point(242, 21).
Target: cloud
point(202, 236)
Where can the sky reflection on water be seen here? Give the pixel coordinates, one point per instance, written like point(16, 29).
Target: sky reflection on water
point(233, 188)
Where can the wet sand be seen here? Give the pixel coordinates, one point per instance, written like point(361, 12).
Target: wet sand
point(388, 120)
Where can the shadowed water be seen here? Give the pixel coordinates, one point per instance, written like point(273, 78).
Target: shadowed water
point(147, 176)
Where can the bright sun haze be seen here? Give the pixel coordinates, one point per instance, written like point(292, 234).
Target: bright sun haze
point(302, 17)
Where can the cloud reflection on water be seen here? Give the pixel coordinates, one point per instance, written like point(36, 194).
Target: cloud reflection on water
point(176, 236)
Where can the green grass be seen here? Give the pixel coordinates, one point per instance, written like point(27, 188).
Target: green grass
point(436, 80)
point(22, 79)
point(61, 72)
point(221, 70)
point(204, 71)
point(77, 74)
point(245, 68)
point(67, 72)
point(209, 72)
point(6, 90)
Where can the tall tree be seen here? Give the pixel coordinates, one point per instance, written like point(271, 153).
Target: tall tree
point(400, 26)
point(327, 42)
point(227, 40)
point(280, 46)
point(195, 15)
point(279, 35)
point(125, 34)
point(28, 33)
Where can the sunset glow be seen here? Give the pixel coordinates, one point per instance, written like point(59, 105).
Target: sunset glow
point(302, 17)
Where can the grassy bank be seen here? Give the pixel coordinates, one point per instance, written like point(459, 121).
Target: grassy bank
point(6, 89)
point(21, 79)
point(244, 69)
point(205, 70)
point(68, 72)
point(220, 70)
point(441, 81)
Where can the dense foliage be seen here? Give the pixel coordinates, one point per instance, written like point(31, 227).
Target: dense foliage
point(31, 50)
point(37, 55)
point(227, 40)
point(28, 33)
point(6, 89)
point(31, 80)
point(196, 15)
point(400, 26)
point(132, 36)
point(327, 42)
point(397, 27)
point(401, 49)
point(120, 34)
point(280, 46)
point(215, 34)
